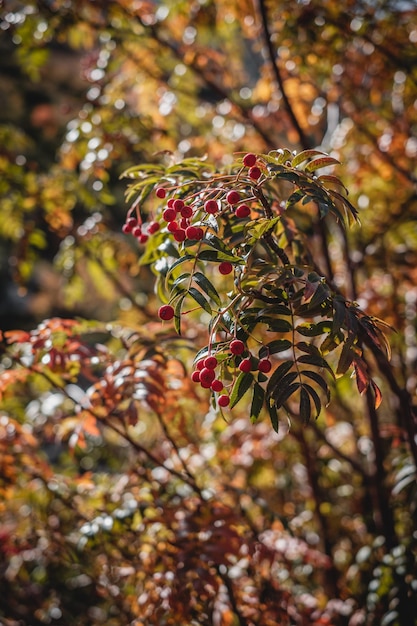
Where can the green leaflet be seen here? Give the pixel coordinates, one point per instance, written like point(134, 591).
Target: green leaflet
point(278, 374)
point(258, 398)
point(305, 155)
point(207, 286)
point(200, 299)
point(242, 384)
point(317, 164)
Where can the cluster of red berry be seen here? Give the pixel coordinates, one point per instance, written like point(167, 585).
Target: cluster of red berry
point(205, 372)
point(132, 226)
point(177, 217)
point(178, 214)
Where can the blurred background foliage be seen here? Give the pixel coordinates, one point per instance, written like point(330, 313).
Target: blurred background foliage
point(147, 508)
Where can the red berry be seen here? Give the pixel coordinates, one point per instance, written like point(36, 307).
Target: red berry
point(233, 197)
point(210, 362)
point(172, 226)
point(192, 232)
point(200, 364)
point(166, 312)
point(126, 229)
point(207, 375)
point(264, 366)
point(179, 235)
point(137, 231)
point(160, 193)
point(178, 204)
point(255, 172)
point(200, 233)
point(184, 223)
point(249, 159)
point(153, 227)
point(223, 400)
point(242, 211)
point(169, 215)
point(195, 376)
point(237, 346)
point(186, 211)
point(170, 203)
point(245, 365)
point(211, 206)
point(132, 222)
point(225, 267)
point(216, 385)
point(143, 238)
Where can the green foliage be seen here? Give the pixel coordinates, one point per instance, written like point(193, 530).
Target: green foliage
point(275, 288)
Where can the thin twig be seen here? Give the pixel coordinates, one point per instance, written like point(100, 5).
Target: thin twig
point(303, 139)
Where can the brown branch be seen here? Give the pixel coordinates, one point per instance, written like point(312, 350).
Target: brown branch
point(383, 514)
point(303, 139)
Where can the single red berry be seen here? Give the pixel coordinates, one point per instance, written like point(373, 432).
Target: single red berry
point(249, 159)
point(166, 312)
point(242, 211)
point(170, 203)
point(195, 376)
point(137, 231)
point(210, 362)
point(245, 365)
point(192, 232)
point(211, 206)
point(225, 267)
point(216, 385)
point(255, 172)
point(207, 375)
point(132, 222)
point(200, 364)
point(186, 211)
point(223, 401)
point(178, 204)
point(161, 193)
point(179, 235)
point(143, 238)
point(233, 197)
point(264, 366)
point(184, 223)
point(199, 233)
point(237, 346)
point(126, 229)
point(153, 227)
point(172, 226)
point(169, 214)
